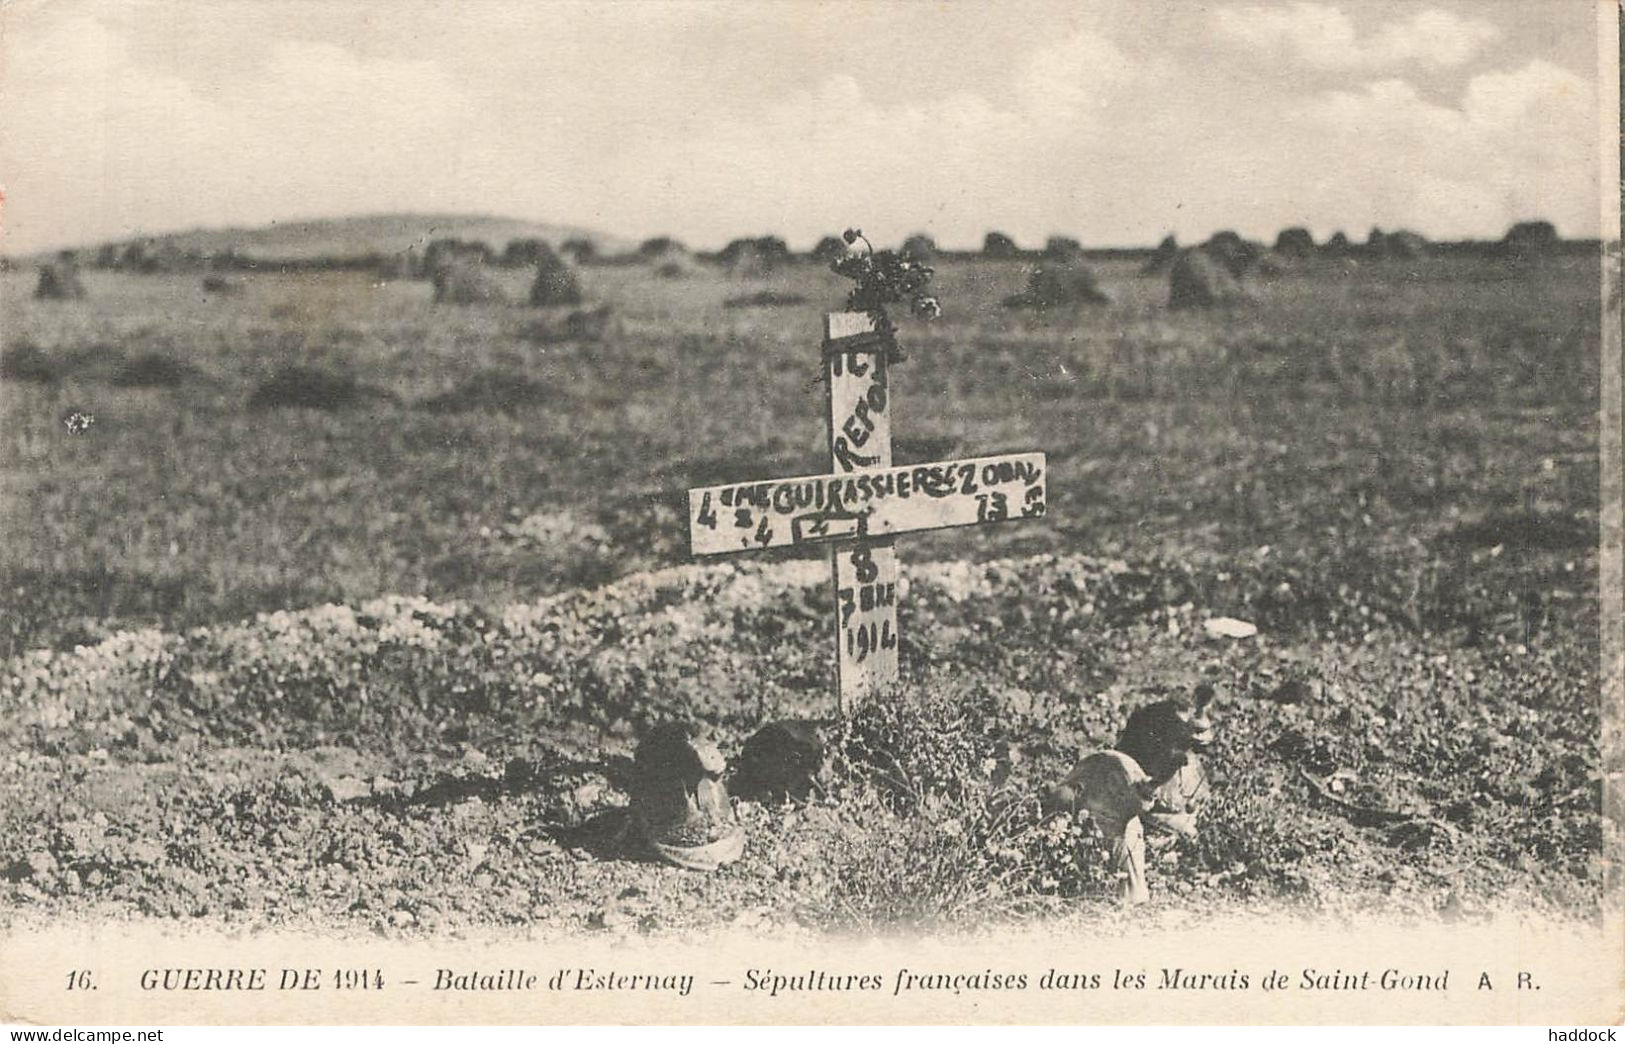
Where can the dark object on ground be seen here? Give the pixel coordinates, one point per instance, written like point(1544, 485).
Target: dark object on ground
point(998, 246)
point(1198, 280)
point(1297, 690)
point(680, 806)
point(1152, 779)
point(1162, 736)
point(309, 387)
point(463, 281)
point(1060, 285)
point(555, 283)
point(1115, 792)
point(59, 281)
point(499, 390)
point(1161, 257)
point(660, 247)
point(1167, 738)
point(1295, 242)
point(764, 299)
point(152, 370)
point(1338, 245)
point(780, 760)
point(216, 284)
point(27, 362)
point(1525, 531)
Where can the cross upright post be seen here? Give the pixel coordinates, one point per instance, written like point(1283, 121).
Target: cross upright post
point(862, 503)
point(856, 377)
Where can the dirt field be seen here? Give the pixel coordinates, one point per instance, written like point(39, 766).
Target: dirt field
point(1390, 468)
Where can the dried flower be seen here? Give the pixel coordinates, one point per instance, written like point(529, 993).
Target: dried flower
point(885, 277)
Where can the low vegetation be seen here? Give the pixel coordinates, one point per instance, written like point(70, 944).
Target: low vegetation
point(378, 666)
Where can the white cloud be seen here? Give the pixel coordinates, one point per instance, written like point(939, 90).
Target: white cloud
point(1432, 37)
point(96, 145)
point(1073, 75)
point(1322, 36)
point(956, 165)
point(1521, 144)
point(1077, 133)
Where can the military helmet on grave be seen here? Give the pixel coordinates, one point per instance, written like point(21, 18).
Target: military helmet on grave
point(680, 805)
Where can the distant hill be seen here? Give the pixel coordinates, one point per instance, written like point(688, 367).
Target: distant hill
point(371, 234)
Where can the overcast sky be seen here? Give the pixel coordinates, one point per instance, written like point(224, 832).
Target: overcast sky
point(1111, 122)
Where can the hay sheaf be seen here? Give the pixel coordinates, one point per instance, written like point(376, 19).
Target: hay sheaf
point(1337, 245)
point(59, 281)
point(1528, 239)
point(556, 283)
point(1063, 248)
point(464, 281)
point(1061, 284)
point(998, 246)
point(659, 247)
point(828, 250)
point(1233, 252)
point(668, 258)
point(1295, 242)
point(921, 248)
point(441, 253)
point(1162, 257)
point(754, 258)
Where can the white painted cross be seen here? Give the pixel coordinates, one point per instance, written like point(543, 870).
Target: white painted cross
point(862, 504)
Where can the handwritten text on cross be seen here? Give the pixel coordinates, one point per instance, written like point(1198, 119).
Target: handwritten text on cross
point(862, 504)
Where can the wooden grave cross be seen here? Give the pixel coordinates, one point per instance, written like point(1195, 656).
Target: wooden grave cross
point(862, 504)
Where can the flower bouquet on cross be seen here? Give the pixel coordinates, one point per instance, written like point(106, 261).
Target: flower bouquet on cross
point(885, 277)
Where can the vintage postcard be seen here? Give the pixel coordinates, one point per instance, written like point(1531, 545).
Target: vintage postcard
point(810, 512)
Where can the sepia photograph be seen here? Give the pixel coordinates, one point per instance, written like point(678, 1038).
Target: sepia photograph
point(810, 511)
